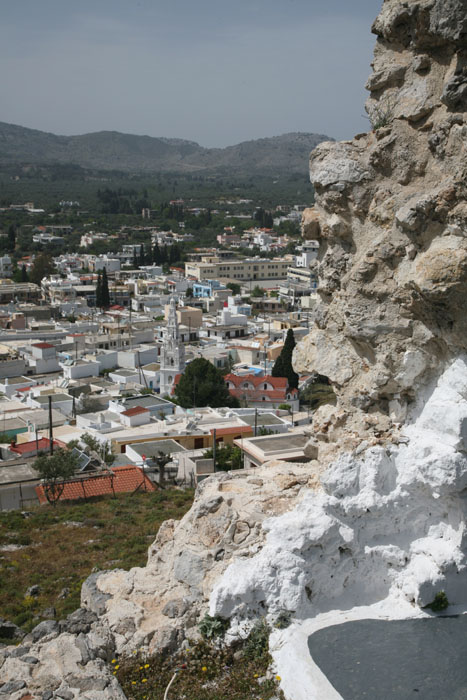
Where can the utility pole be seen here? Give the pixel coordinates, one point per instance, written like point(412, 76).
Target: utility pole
point(129, 330)
point(51, 437)
point(214, 448)
point(256, 421)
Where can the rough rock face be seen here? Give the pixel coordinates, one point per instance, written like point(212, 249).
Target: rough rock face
point(154, 606)
point(388, 522)
point(391, 218)
point(376, 526)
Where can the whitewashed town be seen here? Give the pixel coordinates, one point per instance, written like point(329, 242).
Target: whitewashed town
point(95, 358)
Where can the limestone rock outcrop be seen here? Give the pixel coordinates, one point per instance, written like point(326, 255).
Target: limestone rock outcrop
point(392, 212)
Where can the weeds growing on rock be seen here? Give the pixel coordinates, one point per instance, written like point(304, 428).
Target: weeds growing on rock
point(439, 603)
point(211, 627)
point(203, 672)
point(381, 114)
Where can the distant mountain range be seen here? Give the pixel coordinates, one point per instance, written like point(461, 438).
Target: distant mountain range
point(111, 150)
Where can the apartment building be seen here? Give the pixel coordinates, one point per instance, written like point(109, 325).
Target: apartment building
point(244, 270)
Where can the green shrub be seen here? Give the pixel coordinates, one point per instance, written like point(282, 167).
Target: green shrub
point(257, 642)
point(440, 602)
point(283, 620)
point(211, 627)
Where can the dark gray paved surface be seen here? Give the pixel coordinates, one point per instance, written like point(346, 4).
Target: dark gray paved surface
point(424, 659)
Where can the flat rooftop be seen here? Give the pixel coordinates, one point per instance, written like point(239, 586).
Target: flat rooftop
point(262, 419)
point(17, 472)
point(18, 380)
point(145, 401)
point(271, 443)
point(152, 449)
point(44, 398)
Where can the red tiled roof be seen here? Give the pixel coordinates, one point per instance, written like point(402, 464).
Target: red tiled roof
point(42, 444)
point(275, 382)
point(118, 480)
point(232, 431)
point(176, 381)
point(255, 392)
point(135, 411)
point(42, 345)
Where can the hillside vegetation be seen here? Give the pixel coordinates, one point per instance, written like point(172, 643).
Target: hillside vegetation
point(57, 548)
point(111, 150)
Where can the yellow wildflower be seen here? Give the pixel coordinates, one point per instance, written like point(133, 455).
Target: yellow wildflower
point(146, 665)
point(278, 678)
point(114, 661)
point(117, 667)
point(204, 668)
point(145, 680)
point(256, 675)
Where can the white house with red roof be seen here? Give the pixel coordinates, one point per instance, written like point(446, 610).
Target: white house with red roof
point(11, 385)
point(262, 392)
point(135, 416)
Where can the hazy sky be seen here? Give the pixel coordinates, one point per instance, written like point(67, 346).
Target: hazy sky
point(213, 71)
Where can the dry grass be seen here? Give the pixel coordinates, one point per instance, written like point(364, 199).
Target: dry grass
point(57, 554)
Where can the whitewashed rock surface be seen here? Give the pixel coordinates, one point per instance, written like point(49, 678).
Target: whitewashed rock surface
point(375, 526)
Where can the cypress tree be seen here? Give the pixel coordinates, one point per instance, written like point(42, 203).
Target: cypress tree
point(278, 367)
point(135, 261)
point(105, 295)
point(11, 237)
point(283, 364)
point(156, 254)
point(141, 254)
point(24, 274)
point(286, 355)
point(99, 290)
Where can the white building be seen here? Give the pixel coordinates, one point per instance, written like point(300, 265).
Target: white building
point(6, 267)
point(44, 358)
point(172, 358)
point(10, 385)
point(227, 317)
point(103, 261)
point(135, 416)
point(78, 369)
point(309, 252)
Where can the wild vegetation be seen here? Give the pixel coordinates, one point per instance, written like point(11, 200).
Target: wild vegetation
point(56, 548)
point(205, 670)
